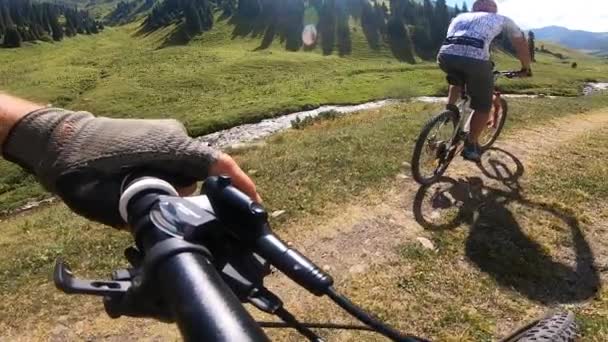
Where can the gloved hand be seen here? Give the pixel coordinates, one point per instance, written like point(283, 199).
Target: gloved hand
point(84, 159)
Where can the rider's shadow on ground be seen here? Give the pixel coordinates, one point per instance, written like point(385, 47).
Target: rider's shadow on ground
point(498, 246)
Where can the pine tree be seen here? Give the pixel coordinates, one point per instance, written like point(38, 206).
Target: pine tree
point(465, 7)
point(249, 8)
point(381, 15)
point(532, 45)
point(39, 32)
point(228, 7)
point(93, 27)
point(8, 22)
point(409, 11)
point(440, 24)
point(370, 25)
point(292, 27)
point(206, 15)
point(3, 26)
point(429, 14)
point(343, 34)
point(193, 24)
point(354, 8)
point(327, 26)
point(69, 25)
point(385, 10)
point(46, 25)
point(57, 30)
point(399, 39)
point(12, 37)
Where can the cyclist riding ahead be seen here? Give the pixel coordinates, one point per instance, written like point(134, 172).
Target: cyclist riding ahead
point(465, 58)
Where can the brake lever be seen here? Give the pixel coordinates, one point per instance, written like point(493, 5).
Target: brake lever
point(66, 282)
point(247, 221)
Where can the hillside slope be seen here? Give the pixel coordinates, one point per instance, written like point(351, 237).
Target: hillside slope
point(219, 80)
point(574, 39)
point(97, 8)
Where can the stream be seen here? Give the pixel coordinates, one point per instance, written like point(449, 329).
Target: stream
point(247, 133)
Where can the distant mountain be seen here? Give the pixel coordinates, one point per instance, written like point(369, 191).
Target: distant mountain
point(574, 39)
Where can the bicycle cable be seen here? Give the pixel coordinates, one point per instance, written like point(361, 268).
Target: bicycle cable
point(336, 326)
point(292, 322)
point(364, 317)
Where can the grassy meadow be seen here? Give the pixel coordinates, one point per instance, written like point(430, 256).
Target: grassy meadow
point(314, 172)
point(217, 81)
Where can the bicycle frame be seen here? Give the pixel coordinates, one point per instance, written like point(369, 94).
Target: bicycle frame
point(461, 130)
point(496, 96)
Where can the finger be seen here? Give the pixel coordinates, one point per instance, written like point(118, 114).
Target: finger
point(243, 182)
point(225, 165)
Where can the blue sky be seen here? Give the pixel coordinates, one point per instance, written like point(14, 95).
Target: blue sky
point(452, 2)
point(588, 15)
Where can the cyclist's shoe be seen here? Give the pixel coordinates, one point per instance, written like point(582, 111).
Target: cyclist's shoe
point(453, 108)
point(471, 152)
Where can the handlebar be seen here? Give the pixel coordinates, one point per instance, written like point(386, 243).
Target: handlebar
point(197, 259)
point(203, 306)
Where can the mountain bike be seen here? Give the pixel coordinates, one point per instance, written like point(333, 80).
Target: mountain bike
point(196, 261)
point(443, 135)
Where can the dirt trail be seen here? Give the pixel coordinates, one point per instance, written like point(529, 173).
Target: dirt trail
point(351, 240)
point(361, 228)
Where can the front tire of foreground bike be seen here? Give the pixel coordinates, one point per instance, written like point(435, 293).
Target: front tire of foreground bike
point(439, 149)
point(558, 327)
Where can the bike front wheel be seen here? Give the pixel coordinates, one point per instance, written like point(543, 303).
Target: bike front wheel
point(494, 126)
point(434, 150)
point(558, 327)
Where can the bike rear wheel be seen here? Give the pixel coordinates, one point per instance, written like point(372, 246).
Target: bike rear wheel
point(492, 132)
point(434, 151)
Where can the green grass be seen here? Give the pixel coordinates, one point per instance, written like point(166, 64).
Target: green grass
point(361, 151)
point(212, 83)
point(17, 187)
point(515, 257)
point(216, 81)
point(311, 172)
point(576, 178)
point(553, 76)
point(578, 175)
point(335, 161)
point(30, 246)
